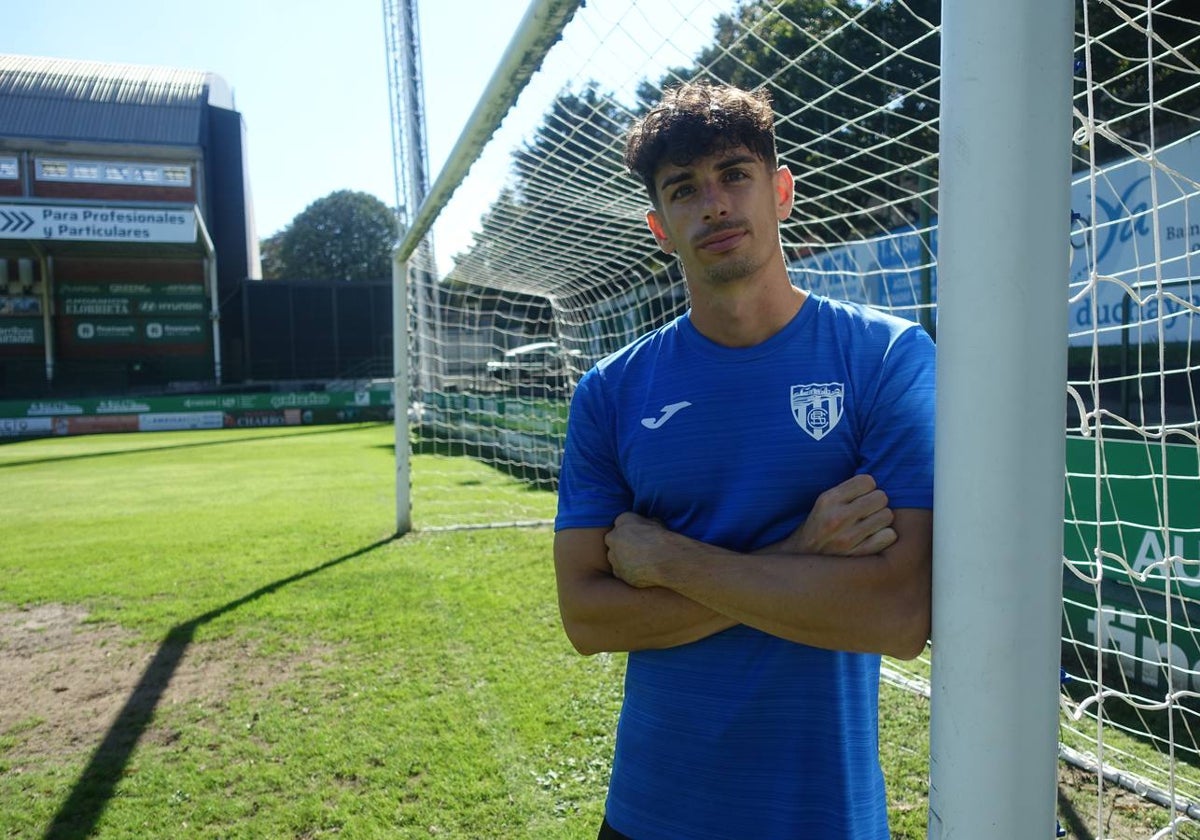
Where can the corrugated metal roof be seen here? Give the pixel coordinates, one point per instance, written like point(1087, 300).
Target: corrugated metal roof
point(65, 99)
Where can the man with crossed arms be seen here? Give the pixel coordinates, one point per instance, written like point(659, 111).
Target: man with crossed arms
point(719, 515)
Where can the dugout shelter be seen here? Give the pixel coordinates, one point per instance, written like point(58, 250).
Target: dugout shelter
point(126, 228)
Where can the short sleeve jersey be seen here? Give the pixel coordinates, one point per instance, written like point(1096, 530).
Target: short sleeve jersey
point(744, 734)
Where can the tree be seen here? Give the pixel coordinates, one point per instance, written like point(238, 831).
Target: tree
point(1118, 99)
point(269, 255)
point(568, 205)
point(346, 235)
point(576, 137)
point(858, 86)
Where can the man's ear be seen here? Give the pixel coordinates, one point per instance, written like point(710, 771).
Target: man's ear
point(655, 223)
point(785, 192)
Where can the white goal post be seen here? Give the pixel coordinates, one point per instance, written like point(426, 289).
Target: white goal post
point(998, 533)
point(537, 32)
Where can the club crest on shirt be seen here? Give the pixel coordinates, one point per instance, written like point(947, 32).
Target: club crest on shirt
point(817, 407)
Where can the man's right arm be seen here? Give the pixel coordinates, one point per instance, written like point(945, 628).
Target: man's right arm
point(601, 612)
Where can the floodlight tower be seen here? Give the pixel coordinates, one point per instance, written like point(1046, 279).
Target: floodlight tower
point(406, 96)
point(410, 161)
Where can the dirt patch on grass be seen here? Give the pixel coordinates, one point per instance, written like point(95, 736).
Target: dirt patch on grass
point(66, 685)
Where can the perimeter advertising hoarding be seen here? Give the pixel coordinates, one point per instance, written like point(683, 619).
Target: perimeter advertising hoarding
point(1115, 239)
point(131, 299)
point(886, 271)
point(25, 427)
point(207, 411)
point(1132, 551)
point(159, 318)
point(21, 333)
point(529, 432)
point(160, 336)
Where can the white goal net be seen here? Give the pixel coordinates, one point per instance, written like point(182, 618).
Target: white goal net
point(1132, 582)
point(560, 271)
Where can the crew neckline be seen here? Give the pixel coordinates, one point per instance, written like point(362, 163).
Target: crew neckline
point(705, 346)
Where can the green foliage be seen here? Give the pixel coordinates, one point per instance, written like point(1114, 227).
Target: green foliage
point(346, 235)
point(841, 128)
point(577, 132)
point(272, 260)
point(842, 123)
point(563, 184)
point(1119, 94)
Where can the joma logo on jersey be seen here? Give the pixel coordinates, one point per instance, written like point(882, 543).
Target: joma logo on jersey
point(818, 407)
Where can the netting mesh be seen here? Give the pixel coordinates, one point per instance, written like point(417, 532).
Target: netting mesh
point(560, 271)
point(562, 257)
point(1133, 487)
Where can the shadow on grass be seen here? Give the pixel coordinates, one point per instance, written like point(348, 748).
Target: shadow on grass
point(78, 815)
point(1070, 817)
point(137, 450)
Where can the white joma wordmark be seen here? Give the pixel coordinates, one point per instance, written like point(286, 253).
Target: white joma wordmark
point(668, 411)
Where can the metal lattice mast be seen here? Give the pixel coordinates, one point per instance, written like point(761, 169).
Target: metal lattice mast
point(410, 166)
point(406, 96)
point(540, 28)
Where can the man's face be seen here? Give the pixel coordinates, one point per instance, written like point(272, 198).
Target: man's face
point(721, 214)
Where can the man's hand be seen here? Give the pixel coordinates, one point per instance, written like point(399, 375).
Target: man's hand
point(850, 520)
point(635, 544)
point(855, 576)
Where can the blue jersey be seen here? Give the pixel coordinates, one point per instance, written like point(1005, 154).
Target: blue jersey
point(743, 734)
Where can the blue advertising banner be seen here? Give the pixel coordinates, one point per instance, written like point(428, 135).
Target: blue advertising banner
point(1134, 255)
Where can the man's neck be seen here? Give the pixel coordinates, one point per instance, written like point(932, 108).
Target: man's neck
point(746, 312)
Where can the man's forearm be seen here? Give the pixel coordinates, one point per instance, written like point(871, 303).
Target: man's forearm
point(841, 603)
point(615, 616)
point(600, 612)
point(877, 603)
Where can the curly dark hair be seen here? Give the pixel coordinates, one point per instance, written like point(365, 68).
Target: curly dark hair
point(697, 119)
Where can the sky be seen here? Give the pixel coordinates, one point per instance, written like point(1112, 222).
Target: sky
point(309, 78)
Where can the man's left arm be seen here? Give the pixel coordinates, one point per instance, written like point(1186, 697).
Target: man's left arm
point(877, 603)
